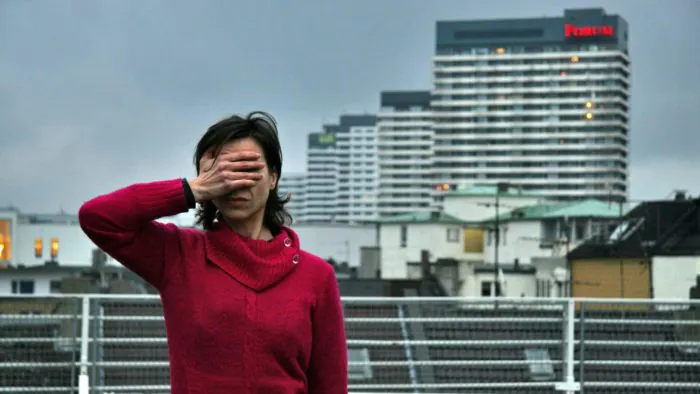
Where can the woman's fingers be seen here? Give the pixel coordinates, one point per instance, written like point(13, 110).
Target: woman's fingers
point(235, 184)
point(239, 156)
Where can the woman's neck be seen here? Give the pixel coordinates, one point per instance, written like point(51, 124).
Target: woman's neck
point(253, 229)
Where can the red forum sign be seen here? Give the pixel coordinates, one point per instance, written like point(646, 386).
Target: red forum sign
point(571, 30)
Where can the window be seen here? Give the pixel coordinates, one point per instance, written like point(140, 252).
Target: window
point(54, 248)
point(22, 287)
point(540, 364)
point(487, 289)
point(453, 235)
point(38, 248)
point(543, 288)
point(580, 230)
point(5, 240)
point(359, 367)
point(55, 286)
point(404, 236)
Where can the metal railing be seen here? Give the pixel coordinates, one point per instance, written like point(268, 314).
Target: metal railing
point(116, 344)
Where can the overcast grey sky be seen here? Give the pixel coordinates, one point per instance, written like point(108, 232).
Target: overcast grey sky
point(95, 95)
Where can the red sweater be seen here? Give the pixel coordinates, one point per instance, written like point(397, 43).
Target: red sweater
point(242, 315)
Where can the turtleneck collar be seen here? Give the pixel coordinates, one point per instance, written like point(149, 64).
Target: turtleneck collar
point(257, 264)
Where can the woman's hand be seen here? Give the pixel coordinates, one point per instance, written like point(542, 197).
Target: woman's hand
point(225, 174)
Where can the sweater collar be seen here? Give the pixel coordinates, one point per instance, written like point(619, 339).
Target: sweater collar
point(257, 264)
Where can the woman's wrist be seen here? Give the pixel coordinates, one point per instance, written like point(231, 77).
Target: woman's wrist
point(192, 186)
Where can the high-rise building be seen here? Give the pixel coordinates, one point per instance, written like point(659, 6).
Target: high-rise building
point(321, 176)
point(342, 172)
point(405, 152)
point(357, 178)
point(294, 186)
point(539, 103)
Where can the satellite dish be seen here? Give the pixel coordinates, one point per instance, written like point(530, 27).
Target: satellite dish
point(560, 274)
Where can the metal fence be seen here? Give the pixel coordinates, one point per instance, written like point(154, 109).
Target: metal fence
point(117, 344)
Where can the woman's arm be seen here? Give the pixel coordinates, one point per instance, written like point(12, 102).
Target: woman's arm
point(122, 224)
point(328, 372)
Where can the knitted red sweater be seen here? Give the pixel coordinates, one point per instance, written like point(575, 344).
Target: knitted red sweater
point(242, 315)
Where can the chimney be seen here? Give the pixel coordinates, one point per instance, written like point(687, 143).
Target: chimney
point(99, 258)
point(516, 264)
point(694, 293)
point(425, 264)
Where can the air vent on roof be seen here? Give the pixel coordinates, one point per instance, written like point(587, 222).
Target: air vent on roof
point(540, 365)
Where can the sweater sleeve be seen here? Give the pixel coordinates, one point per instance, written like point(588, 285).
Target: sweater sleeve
point(328, 370)
point(123, 224)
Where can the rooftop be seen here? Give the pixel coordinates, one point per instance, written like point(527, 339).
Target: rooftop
point(423, 217)
point(490, 190)
point(654, 228)
point(580, 209)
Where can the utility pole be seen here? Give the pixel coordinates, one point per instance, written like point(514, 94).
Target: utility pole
point(497, 240)
point(500, 187)
point(619, 253)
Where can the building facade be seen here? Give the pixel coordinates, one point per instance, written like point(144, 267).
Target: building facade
point(321, 176)
point(540, 103)
point(652, 253)
point(293, 185)
point(342, 180)
point(405, 153)
point(34, 239)
point(358, 168)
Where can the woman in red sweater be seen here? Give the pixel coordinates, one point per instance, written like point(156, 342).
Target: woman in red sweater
point(246, 309)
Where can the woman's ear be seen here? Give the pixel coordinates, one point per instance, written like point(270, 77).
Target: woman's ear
point(273, 180)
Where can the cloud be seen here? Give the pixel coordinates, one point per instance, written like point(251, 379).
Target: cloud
point(96, 95)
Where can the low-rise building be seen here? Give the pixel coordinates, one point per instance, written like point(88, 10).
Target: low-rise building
point(546, 230)
point(654, 252)
point(53, 278)
point(404, 237)
point(34, 239)
point(530, 253)
point(477, 202)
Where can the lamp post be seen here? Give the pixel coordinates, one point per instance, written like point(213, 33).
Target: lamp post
point(501, 187)
point(561, 276)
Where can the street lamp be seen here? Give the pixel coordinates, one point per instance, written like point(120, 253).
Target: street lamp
point(561, 276)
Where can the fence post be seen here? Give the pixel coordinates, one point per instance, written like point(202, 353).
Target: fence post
point(83, 379)
point(569, 384)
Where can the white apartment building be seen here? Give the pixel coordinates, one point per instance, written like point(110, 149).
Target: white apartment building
point(321, 177)
point(33, 239)
point(406, 153)
point(294, 186)
point(357, 177)
point(342, 180)
point(541, 103)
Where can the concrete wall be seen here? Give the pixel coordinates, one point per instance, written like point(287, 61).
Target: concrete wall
point(672, 277)
point(342, 242)
point(420, 236)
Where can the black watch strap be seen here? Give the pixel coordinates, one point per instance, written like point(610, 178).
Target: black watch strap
point(189, 195)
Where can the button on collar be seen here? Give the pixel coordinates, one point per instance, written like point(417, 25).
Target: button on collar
point(287, 242)
point(295, 259)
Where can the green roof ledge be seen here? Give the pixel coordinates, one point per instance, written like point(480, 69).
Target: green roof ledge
point(424, 218)
point(553, 210)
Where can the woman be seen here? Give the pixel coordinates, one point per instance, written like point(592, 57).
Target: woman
point(246, 310)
